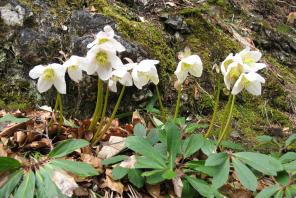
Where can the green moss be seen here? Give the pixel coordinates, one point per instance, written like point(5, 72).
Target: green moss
point(284, 28)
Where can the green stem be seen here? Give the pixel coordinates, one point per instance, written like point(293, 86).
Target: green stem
point(209, 132)
point(163, 116)
point(178, 103)
point(55, 109)
point(61, 111)
point(99, 133)
point(95, 116)
point(222, 135)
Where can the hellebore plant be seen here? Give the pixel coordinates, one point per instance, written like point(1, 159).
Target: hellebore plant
point(52, 74)
point(189, 64)
point(239, 73)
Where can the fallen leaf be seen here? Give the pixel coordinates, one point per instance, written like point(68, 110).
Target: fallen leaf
point(112, 147)
point(291, 17)
point(154, 190)
point(137, 118)
point(116, 186)
point(81, 192)
point(64, 182)
point(92, 160)
point(178, 186)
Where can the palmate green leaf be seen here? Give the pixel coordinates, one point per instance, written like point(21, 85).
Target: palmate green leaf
point(139, 130)
point(290, 140)
point(173, 142)
point(45, 186)
point(66, 147)
point(143, 147)
point(78, 168)
point(202, 187)
point(114, 160)
point(169, 174)
point(188, 191)
point(154, 179)
point(231, 145)
point(119, 172)
point(291, 190)
point(134, 176)
point(199, 166)
point(222, 176)
point(279, 194)
point(268, 192)
point(10, 185)
point(192, 144)
point(282, 178)
point(11, 118)
point(290, 167)
point(193, 126)
point(245, 175)
point(263, 163)
point(288, 157)
point(153, 136)
point(264, 139)
point(153, 172)
point(216, 159)
point(27, 187)
point(209, 147)
point(145, 162)
point(9, 164)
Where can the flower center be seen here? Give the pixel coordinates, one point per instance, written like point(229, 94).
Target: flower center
point(144, 76)
point(227, 62)
point(73, 68)
point(49, 74)
point(186, 66)
point(245, 81)
point(102, 58)
point(248, 59)
point(103, 40)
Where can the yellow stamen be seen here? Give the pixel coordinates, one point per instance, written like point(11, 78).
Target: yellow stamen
point(73, 68)
point(49, 74)
point(103, 40)
point(102, 58)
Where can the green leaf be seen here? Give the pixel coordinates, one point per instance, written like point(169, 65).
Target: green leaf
point(291, 166)
point(12, 182)
point(153, 172)
point(154, 179)
point(188, 191)
point(263, 163)
point(216, 159)
point(264, 139)
point(173, 142)
point(66, 147)
point(9, 164)
point(208, 147)
point(268, 192)
point(291, 190)
point(119, 172)
point(231, 145)
point(153, 136)
point(114, 160)
point(200, 186)
point(161, 148)
point(290, 140)
point(78, 168)
point(134, 176)
point(288, 157)
point(180, 121)
point(11, 118)
point(192, 144)
point(282, 178)
point(169, 174)
point(193, 126)
point(70, 123)
point(143, 147)
point(245, 175)
point(279, 194)
point(145, 162)
point(222, 176)
point(27, 187)
point(200, 167)
point(139, 130)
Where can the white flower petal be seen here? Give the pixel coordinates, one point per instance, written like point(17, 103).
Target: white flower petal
point(59, 69)
point(126, 80)
point(105, 72)
point(196, 70)
point(112, 85)
point(43, 85)
point(75, 75)
point(36, 72)
point(60, 84)
point(254, 88)
point(154, 76)
point(238, 86)
point(193, 59)
point(145, 65)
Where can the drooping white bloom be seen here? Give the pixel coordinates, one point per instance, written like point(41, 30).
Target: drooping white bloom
point(189, 64)
point(123, 76)
point(228, 60)
point(102, 61)
point(144, 72)
point(74, 67)
point(250, 59)
point(250, 81)
point(233, 72)
point(52, 74)
point(106, 40)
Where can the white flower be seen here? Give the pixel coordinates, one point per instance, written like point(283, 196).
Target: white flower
point(74, 67)
point(189, 64)
point(250, 58)
point(229, 59)
point(250, 81)
point(52, 74)
point(106, 40)
point(144, 72)
point(234, 70)
point(123, 76)
point(102, 61)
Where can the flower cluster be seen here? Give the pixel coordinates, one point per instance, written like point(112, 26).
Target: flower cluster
point(239, 72)
point(102, 60)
